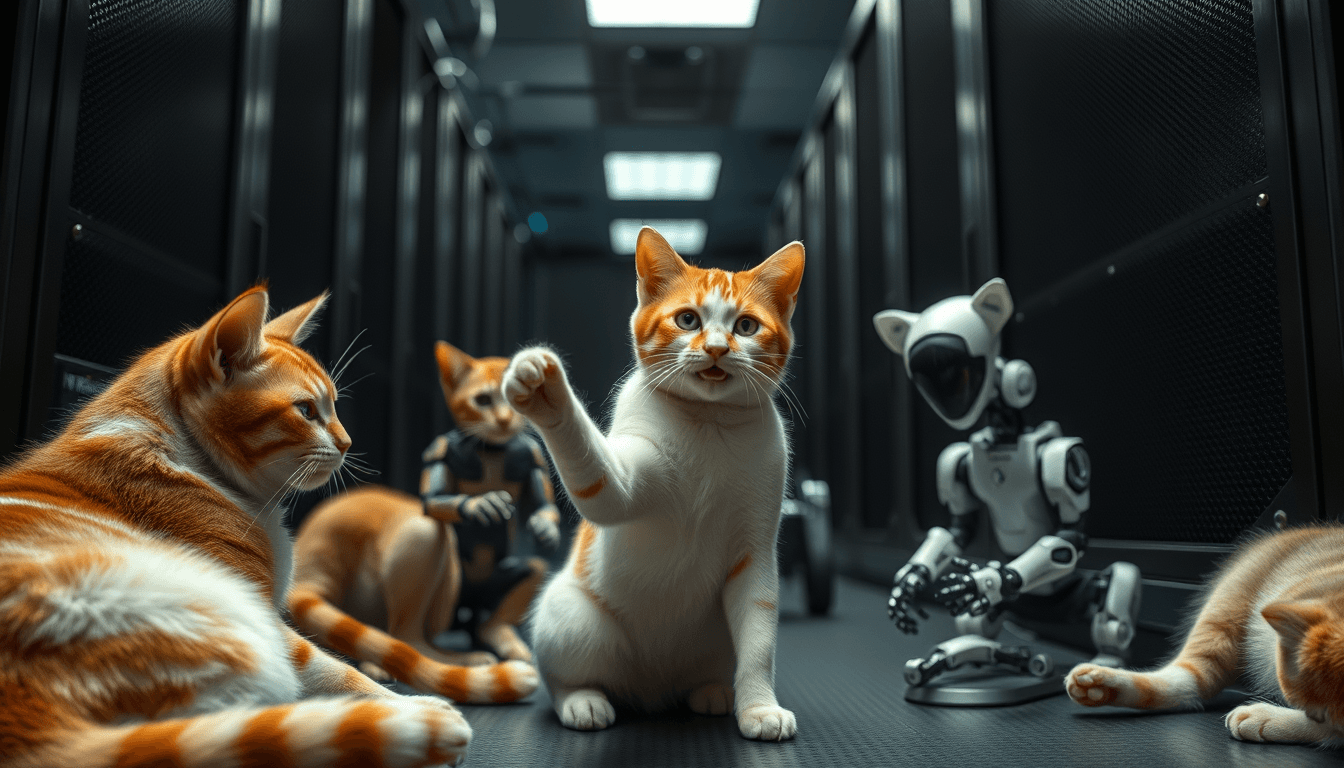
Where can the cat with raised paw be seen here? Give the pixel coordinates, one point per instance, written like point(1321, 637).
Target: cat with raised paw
point(1274, 612)
point(670, 592)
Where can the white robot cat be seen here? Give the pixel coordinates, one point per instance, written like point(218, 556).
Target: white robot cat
point(1032, 482)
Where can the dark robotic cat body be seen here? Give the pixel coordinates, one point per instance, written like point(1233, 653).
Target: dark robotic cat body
point(459, 463)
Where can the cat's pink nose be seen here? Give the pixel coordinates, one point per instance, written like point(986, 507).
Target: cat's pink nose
point(716, 350)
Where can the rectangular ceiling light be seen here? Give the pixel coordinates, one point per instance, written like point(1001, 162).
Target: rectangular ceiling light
point(686, 236)
point(662, 175)
point(672, 13)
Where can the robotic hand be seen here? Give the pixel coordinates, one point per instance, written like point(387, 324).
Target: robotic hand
point(909, 581)
point(489, 508)
point(975, 590)
point(924, 566)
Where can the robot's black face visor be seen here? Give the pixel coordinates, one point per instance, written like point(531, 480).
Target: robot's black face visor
point(946, 373)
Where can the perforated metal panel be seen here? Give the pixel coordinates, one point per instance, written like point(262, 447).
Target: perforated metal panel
point(1171, 370)
point(108, 291)
point(1113, 119)
point(153, 153)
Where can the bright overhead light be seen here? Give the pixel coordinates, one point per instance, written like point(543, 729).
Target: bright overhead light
point(672, 13)
point(686, 236)
point(662, 175)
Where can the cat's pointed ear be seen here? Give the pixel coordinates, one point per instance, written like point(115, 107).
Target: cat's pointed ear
point(893, 326)
point(783, 273)
point(232, 339)
point(993, 303)
point(656, 263)
point(1293, 620)
point(454, 365)
point(295, 325)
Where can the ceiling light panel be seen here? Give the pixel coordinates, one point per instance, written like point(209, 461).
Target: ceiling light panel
point(662, 175)
point(672, 13)
point(686, 236)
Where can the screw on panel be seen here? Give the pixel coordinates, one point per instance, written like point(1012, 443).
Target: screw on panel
point(77, 232)
point(1280, 519)
point(1262, 200)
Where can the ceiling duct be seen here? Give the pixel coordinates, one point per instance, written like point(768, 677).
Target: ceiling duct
point(666, 83)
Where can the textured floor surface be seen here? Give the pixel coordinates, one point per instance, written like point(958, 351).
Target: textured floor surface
point(841, 676)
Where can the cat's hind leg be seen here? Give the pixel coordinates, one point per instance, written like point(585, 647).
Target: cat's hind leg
point(577, 644)
point(500, 632)
point(1270, 723)
point(421, 583)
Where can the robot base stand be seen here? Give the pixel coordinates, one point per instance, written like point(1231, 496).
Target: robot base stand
point(983, 687)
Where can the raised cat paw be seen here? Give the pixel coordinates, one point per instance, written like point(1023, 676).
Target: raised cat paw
point(712, 699)
point(535, 385)
point(1096, 686)
point(586, 710)
point(1270, 723)
point(767, 723)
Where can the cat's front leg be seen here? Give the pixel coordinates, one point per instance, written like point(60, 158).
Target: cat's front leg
point(750, 600)
point(598, 472)
point(1270, 723)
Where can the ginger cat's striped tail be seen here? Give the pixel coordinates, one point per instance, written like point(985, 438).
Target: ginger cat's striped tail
point(391, 732)
point(493, 683)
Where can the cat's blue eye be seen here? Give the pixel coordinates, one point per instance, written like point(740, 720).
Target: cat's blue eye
point(483, 399)
point(688, 320)
point(308, 409)
point(746, 326)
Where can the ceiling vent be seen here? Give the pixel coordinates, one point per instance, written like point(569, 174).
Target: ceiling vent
point(667, 83)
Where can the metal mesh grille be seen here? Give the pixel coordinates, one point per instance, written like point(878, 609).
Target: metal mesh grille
point(1171, 371)
point(153, 147)
point(104, 315)
point(1113, 119)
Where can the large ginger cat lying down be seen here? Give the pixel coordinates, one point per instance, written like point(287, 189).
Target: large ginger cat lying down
point(143, 566)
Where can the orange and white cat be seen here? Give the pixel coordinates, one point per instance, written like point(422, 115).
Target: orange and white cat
point(143, 567)
point(378, 573)
point(1275, 611)
point(669, 594)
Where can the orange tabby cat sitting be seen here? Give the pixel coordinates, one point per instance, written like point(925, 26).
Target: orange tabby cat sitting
point(143, 565)
point(1276, 612)
point(378, 572)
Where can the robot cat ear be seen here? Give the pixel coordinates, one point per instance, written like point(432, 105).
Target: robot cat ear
point(993, 303)
point(893, 325)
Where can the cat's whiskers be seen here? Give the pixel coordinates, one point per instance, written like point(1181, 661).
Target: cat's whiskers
point(336, 377)
point(346, 351)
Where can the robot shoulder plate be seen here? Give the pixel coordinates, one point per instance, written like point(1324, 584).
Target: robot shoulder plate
point(1066, 476)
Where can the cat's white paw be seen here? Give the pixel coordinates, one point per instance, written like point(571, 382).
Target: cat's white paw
point(1093, 685)
point(586, 710)
point(1270, 723)
point(767, 723)
point(712, 699)
point(534, 384)
point(449, 733)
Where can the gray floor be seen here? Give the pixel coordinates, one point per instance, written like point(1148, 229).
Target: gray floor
point(842, 677)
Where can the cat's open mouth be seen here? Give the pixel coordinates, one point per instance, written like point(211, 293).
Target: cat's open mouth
point(714, 373)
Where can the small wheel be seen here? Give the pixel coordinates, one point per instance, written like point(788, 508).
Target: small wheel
point(819, 563)
point(1041, 665)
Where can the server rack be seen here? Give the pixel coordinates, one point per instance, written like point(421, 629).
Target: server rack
point(1159, 183)
point(161, 157)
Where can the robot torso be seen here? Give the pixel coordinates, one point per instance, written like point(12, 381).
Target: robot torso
point(1007, 478)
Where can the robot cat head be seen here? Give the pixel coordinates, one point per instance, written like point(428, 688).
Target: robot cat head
point(951, 349)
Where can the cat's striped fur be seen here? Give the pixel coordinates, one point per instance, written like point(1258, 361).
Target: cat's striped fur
point(670, 591)
point(409, 577)
point(1274, 612)
point(143, 566)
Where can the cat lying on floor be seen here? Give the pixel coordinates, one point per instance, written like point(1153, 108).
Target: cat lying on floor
point(1275, 611)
